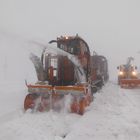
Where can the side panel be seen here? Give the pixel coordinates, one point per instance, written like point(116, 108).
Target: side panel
point(66, 71)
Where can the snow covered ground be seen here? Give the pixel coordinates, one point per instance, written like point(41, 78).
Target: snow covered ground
point(113, 115)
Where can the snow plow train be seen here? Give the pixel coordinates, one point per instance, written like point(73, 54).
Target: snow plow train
point(70, 71)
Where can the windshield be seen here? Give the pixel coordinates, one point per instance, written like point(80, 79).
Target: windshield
point(70, 46)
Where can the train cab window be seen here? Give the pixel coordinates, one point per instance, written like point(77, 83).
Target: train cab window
point(70, 46)
point(63, 47)
point(73, 46)
point(71, 49)
point(54, 65)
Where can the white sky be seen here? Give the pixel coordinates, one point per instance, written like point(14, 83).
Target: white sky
point(110, 27)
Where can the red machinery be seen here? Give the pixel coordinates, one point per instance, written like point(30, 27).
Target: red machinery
point(70, 71)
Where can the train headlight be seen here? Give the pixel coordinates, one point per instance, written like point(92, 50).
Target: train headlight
point(66, 37)
point(134, 73)
point(121, 73)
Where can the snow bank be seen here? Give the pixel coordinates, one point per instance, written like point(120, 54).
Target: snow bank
point(114, 115)
point(15, 65)
point(15, 68)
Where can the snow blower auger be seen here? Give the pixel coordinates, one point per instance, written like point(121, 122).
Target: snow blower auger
point(128, 77)
point(66, 69)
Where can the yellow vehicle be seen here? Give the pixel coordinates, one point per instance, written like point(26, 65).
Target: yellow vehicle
point(128, 76)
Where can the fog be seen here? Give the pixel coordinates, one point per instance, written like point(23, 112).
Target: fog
point(110, 27)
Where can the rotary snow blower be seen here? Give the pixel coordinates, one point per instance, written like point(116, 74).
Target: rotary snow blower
point(67, 70)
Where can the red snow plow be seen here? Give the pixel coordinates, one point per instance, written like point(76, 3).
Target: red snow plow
point(45, 97)
point(128, 76)
point(65, 72)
